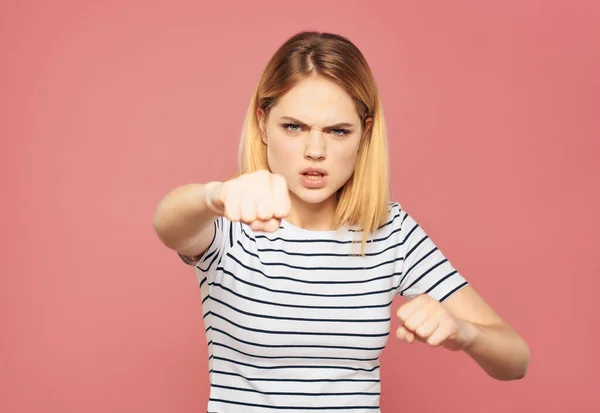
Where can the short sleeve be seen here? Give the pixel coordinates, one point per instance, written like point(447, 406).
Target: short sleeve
point(222, 240)
point(425, 268)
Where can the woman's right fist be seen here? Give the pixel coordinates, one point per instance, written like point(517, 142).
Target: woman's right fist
point(259, 199)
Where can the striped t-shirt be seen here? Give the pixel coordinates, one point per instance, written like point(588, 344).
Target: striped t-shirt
point(296, 319)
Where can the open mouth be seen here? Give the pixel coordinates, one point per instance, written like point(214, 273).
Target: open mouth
point(313, 176)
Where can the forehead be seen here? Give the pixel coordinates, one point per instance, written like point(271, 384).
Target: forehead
point(317, 101)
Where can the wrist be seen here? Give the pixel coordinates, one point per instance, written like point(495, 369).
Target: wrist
point(212, 191)
point(469, 335)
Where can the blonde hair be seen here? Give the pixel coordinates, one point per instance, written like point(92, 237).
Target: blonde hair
point(364, 200)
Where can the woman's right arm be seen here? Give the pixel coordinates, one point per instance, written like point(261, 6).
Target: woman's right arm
point(183, 219)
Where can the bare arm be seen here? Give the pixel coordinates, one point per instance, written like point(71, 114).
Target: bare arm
point(466, 322)
point(183, 220)
point(491, 342)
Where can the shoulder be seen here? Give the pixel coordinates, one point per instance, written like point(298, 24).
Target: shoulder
point(398, 223)
point(396, 216)
point(392, 227)
point(394, 209)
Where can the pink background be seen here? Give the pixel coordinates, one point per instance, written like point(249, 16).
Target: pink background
point(492, 109)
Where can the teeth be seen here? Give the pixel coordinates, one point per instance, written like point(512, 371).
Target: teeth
point(313, 177)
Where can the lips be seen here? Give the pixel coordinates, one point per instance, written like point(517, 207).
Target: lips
point(314, 178)
point(313, 172)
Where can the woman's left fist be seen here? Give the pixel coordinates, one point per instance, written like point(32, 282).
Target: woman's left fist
point(426, 319)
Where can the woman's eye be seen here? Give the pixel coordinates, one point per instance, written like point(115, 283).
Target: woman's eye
point(339, 132)
point(295, 128)
point(292, 127)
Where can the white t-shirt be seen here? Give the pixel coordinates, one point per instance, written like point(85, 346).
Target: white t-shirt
point(296, 320)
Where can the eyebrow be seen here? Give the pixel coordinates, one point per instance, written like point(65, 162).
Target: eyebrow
point(299, 122)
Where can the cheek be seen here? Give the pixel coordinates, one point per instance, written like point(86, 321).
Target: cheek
point(281, 152)
point(346, 158)
point(348, 152)
point(280, 148)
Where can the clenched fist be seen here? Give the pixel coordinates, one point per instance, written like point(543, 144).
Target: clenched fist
point(426, 319)
point(259, 199)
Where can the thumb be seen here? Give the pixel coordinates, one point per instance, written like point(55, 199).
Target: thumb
point(266, 226)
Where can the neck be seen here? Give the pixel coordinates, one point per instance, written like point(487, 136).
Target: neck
point(314, 217)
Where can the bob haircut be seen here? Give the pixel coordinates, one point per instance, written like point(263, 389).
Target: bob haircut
point(363, 201)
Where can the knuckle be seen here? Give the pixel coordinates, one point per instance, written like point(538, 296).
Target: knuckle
point(402, 315)
point(264, 215)
point(433, 343)
point(411, 325)
point(422, 331)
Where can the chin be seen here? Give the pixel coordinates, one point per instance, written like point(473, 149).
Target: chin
point(313, 196)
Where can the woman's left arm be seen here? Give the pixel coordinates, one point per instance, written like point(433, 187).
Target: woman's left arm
point(464, 321)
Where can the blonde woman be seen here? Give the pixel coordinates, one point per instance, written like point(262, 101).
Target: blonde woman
point(301, 254)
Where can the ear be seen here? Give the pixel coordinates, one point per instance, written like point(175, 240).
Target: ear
point(262, 124)
point(368, 124)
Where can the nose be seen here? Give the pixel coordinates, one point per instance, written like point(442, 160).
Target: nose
point(315, 145)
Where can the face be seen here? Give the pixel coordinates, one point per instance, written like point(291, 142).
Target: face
point(313, 135)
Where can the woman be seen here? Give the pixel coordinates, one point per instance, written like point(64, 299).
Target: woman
point(300, 256)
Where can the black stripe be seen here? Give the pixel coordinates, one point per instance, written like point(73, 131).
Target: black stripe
point(326, 240)
point(206, 258)
point(216, 255)
point(358, 307)
point(426, 237)
point(296, 333)
point(417, 263)
point(211, 254)
point(391, 221)
point(232, 275)
point(441, 280)
point(292, 407)
point(278, 393)
point(278, 367)
point(329, 254)
point(454, 290)
point(322, 255)
point(216, 225)
point(218, 330)
point(227, 373)
point(424, 274)
point(217, 344)
point(314, 268)
point(312, 320)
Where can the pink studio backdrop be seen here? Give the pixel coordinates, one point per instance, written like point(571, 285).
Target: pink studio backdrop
point(492, 109)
